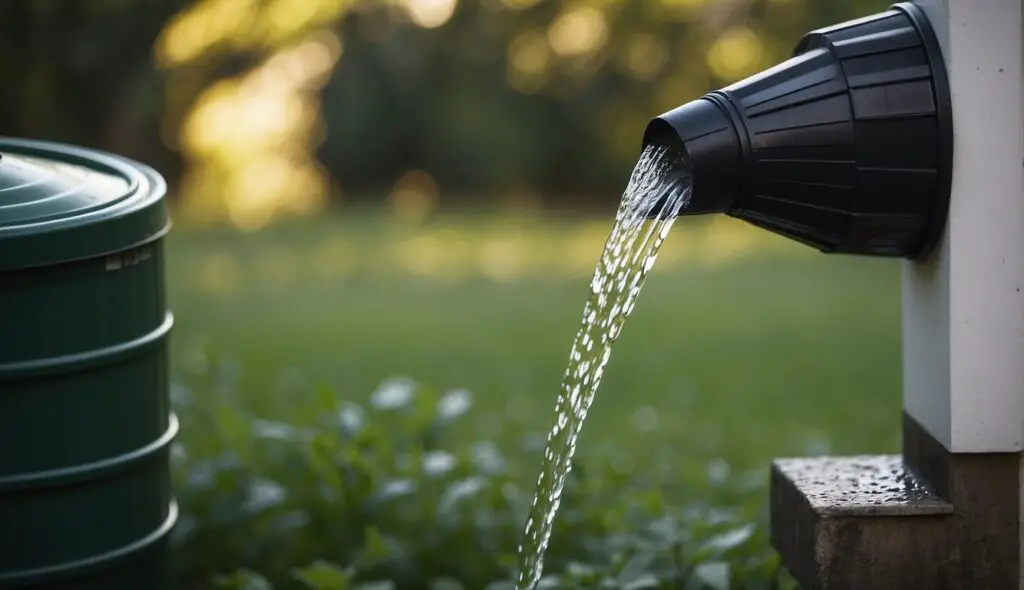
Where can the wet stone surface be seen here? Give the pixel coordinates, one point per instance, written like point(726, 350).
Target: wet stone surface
point(867, 485)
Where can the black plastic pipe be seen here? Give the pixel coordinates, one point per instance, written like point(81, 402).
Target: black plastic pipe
point(847, 146)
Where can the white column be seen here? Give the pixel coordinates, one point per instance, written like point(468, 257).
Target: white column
point(963, 311)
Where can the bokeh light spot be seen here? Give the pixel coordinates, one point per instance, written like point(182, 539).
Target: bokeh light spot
point(735, 54)
point(248, 139)
point(430, 14)
point(414, 196)
point(578, 31)
point(646, 56)
point(529, 60)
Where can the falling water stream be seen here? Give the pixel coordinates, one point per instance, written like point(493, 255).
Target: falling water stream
point(658, 188)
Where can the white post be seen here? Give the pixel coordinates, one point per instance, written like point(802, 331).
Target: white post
point(963, 311)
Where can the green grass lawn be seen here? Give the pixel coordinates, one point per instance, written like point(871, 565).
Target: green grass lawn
point(742, 346)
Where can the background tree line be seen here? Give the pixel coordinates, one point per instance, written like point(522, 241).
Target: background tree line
point(256, 107)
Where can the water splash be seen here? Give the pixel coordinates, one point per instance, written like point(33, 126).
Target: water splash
point(658, 188)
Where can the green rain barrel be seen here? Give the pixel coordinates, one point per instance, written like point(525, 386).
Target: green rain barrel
point(85, 423)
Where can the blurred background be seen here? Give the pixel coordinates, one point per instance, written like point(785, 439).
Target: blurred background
point(366, 190)
point(256, 109)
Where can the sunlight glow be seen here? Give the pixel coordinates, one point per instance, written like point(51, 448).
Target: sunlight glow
point(735, 54)
point(193, 31)
point(578, 32)
point(333, 258)
point(414, 196)
point(495, 248)
point(198, 29)
point(677, 89)
point(530, 53)
point(248, 139)
point(428, 255)
point(725, 240)
point(646, 56)
point(529, 59)
point(430, 14)
point(502, 258)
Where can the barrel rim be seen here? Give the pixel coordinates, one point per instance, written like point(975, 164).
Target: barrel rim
point(138, 218)
point(88, 565)
point(95, 469)
point(80, 361)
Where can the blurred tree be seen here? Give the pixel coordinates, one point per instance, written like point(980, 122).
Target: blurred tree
point(81, 71)
point(277, 106)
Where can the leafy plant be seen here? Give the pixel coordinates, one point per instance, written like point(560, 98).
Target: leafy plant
point(339, 496)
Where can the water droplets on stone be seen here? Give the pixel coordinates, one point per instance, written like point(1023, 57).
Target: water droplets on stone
point(658, 189)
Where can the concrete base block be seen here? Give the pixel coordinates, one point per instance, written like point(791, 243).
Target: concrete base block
point(857, 522)
point(924, 519)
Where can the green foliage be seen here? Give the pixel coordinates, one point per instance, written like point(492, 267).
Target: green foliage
point(741, 359)
point(723, 366)
point(379, 497)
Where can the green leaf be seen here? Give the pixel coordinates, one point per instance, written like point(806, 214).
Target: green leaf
point(636, 567)
point(322, 575)
point(274, 430)
point(713, 574)
point(577, 569)
point(380, 585)
point(446, 584)
point(326, 398)
point(437, 463)
point(263, 494)
point(393, 489)
point(454, 404)
point(243, 579)
point(729, 540)
point(351, 420)
point(320, 454)
point(488, 458)
point(643, 582)
point(458, 492)
point(375, 546)
point(396, 393)
point(233, 423)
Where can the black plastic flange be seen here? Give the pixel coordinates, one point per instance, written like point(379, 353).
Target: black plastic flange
point(847, 146)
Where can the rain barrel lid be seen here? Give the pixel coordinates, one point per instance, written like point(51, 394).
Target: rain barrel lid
point(61, 203)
